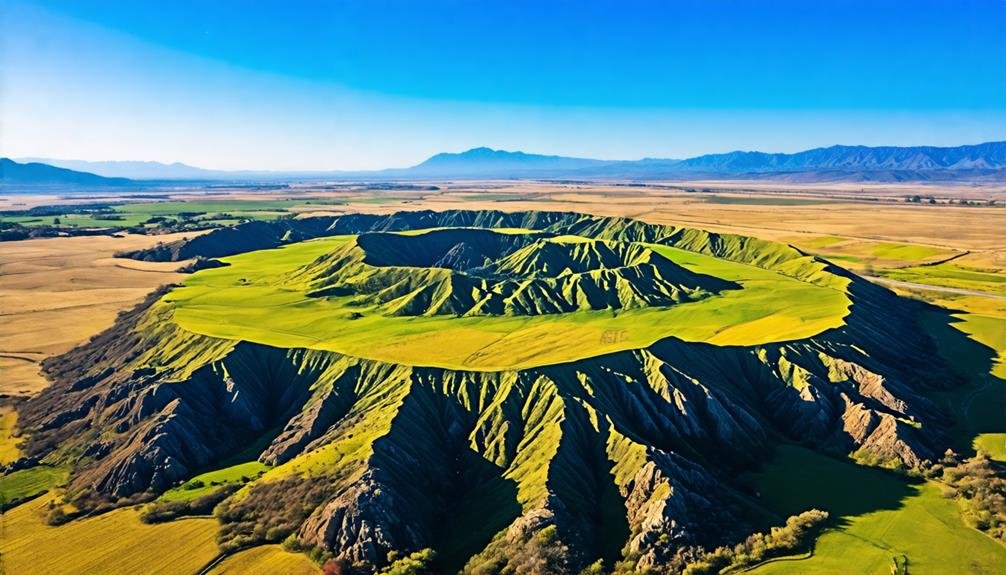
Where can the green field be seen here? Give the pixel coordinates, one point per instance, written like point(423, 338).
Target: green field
point(978, 410)
point(874, 257)
point(31, 482)
point(132, 214)
point(206, 483)
point(252, 300)
point(953, 276)
point(880, 517)
point(992, 443)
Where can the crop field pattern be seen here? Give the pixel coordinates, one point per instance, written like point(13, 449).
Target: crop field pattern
point(366, 388)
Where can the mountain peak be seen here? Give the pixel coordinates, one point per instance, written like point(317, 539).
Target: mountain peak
point(488, 162)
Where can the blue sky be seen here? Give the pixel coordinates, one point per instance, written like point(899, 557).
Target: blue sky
point(369, 84)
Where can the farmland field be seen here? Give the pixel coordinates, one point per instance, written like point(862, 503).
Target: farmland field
point(266, 560)
point(114, 543)
point(8, 442)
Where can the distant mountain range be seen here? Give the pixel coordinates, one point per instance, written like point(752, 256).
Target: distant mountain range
point(136, 170)
point(39, 174)
point(839, 163)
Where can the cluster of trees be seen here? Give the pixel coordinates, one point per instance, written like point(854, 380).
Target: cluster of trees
point(539, 552)
point(89, 502)
point(162, 511)
point(980, 491)
point(917, 199)
point(419, 563)
point(271, 512)
point(797, 534)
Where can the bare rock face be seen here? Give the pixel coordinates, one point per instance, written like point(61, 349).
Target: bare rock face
point(673, 503)
point(633, 454)
point(364, 524)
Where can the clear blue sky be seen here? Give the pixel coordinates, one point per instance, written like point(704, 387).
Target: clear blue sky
point(292, 85)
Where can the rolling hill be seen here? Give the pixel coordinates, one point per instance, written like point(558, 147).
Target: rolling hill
point(514, 414)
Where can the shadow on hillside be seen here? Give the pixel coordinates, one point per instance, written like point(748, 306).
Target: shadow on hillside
point(797, 479)
point(480, 504)
point(922, 346)
point(944, 364)
point(979, 404)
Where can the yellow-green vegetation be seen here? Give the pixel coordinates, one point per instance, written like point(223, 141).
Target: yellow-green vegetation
point(872, 256)
point(990, 331)
point(882, 519)
point(952, 276)
point(994, 444)
point(108, 544)
point(266, 560)
point(253, 299)
point(757, 200)
point(210, 481)
point(154, 214)
point(26, 483)
point(798, 533)
point(8, 442)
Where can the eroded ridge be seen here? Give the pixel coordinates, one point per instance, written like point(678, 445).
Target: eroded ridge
point(471, 272)
point(632, 455)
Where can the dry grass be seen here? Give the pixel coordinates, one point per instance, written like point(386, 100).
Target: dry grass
point(266, 560)
point(113, 543)
point(56, 293)
point(8, 442)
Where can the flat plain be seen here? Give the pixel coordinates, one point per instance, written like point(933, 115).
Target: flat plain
point(56, 293)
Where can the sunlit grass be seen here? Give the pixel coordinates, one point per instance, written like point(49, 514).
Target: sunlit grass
point(252, 300)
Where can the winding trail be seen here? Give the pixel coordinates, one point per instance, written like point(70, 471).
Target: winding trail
point(928, 287)
point(966, 404)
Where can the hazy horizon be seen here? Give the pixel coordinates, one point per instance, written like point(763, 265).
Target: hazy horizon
point(361, 86)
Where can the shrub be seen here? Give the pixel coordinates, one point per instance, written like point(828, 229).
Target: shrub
point(798, 533)
point(418, 563)
point(981, 493)
point(163, 511)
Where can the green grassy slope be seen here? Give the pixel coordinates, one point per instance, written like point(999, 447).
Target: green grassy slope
point(206, 483)
point(880, 518)
point(26, 483)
